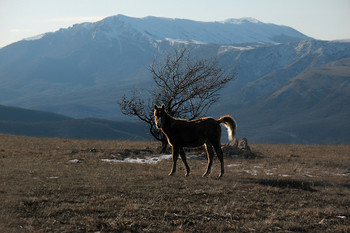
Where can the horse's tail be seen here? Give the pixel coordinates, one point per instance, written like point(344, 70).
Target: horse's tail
point(230, 124)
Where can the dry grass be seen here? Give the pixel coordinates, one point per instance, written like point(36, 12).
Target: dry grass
point(288, 188)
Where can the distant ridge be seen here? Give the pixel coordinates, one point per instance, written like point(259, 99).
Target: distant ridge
point(19, 121)
point(15, 114)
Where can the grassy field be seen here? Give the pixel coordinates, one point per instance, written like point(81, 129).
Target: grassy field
point(61, 185)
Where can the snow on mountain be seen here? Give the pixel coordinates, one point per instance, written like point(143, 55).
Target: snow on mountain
point(37, 37)
point(241, 20)
point(230, 31)
point(156, 29)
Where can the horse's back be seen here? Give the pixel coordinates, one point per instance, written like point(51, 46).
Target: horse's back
point(202, 124)
point(197, 132)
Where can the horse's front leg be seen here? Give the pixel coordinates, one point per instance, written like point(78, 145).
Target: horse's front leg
point(175, 150)
point(183, 158)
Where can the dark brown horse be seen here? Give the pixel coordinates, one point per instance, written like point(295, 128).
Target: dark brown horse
point(183, 133)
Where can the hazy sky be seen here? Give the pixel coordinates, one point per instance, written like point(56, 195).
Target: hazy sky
point(321, 19)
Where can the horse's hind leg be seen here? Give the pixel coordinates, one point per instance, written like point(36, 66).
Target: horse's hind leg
point(183, 158)
point(210, 155)
point(175, 157)
point(220, 155)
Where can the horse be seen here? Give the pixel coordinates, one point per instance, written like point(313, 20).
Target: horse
point(182, 133)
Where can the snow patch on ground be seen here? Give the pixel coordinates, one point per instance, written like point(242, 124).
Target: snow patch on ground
point(150, 159)
point(147, 159)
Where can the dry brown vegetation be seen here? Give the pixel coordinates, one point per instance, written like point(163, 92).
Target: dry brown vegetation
point(61, 185)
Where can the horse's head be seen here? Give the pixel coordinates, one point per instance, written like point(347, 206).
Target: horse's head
point(159, 113)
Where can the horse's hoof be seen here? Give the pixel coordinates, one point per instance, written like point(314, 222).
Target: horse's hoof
point(207, 172)
point(187, 174)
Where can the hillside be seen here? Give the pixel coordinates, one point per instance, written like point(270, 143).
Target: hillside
point(305, 100)
point(20, 121)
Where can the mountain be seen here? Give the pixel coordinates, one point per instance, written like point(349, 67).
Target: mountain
point(81, 71)
point(27, 122)
point(288, 88)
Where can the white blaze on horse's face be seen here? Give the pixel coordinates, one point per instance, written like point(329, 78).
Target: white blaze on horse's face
point(159, 122)
point(158, 116)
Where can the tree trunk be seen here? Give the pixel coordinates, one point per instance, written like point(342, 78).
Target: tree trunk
point(164, 144)
point(159, 135)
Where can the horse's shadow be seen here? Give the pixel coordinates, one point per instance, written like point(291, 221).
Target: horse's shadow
point(287, 183)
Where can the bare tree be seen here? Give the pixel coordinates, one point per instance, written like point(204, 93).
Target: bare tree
point(186, 86)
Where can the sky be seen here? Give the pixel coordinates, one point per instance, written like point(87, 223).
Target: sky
point(320, 19)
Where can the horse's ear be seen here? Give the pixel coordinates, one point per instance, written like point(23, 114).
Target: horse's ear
point(163, 107)
point(155, 107)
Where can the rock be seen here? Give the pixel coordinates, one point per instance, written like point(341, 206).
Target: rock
point(243, 144)
point(235, 142)
point(239, 149)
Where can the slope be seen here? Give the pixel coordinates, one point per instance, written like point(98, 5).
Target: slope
point(312, 107)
